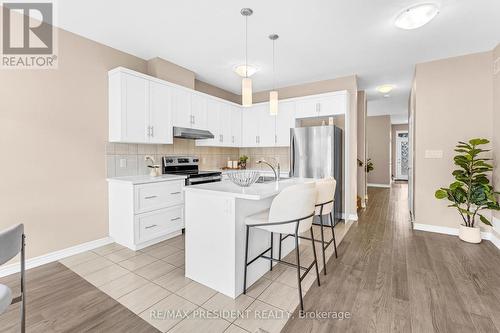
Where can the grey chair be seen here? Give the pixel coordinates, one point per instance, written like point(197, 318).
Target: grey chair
point(11, 243)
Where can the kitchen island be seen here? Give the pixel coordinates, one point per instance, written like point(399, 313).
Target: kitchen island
point(215, 233)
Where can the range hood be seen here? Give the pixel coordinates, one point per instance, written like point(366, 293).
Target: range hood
point(191, 133)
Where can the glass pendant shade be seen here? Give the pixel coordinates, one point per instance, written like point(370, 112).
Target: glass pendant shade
point(273, 103)
point(246, 91)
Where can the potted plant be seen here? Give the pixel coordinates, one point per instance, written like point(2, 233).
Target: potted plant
point(243, 162)
point(471, 192)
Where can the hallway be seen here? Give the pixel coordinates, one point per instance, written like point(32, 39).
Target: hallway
point(392, 279)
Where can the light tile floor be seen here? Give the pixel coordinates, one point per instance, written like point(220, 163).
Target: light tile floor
point(151, 283)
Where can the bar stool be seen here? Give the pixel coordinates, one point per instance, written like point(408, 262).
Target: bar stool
point(291, 213)
point(324, 206)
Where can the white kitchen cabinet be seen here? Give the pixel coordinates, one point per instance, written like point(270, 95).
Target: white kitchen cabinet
point(322, 105)
point(250, 127)
point(285, 120)
point(160, 114)
point(213, 124)
point(144, 213)
point(139, 110)
point(181, 107)
point(267, 126)
point(235, 126)
point(198, 111)
point(225, 123)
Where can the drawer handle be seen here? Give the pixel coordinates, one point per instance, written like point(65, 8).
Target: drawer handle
point(151, 197)
point(175, 193)
point(175, 219)
point(151, 226)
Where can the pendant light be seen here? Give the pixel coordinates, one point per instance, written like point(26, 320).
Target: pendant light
point(246, 82)
point(273, 94)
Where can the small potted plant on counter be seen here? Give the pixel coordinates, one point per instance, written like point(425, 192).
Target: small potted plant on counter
point(471, 192)
point(243, 162)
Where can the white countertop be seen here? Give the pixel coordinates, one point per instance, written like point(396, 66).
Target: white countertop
point(146, 179)
point(257, 191)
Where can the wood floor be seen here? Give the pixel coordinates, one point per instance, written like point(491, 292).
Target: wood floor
point(58, 300)
point(393, 279)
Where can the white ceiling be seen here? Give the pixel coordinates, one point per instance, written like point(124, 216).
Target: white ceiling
point(319, 39)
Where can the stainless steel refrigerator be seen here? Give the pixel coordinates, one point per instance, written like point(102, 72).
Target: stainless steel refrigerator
point(318, 152)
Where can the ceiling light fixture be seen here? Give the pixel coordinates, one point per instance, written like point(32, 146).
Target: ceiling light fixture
point(273, 94)
point(385, 88)
point(245, 70)
point(416, 16)
point(246, 82)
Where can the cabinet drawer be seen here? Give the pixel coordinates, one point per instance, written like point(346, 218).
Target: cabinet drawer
point(158, 223)
point(154, 196)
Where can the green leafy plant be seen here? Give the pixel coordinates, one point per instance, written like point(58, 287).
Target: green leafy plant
point(243, 159)
point(471, 191)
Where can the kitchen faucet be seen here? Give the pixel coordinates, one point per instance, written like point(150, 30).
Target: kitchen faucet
point(276, 169)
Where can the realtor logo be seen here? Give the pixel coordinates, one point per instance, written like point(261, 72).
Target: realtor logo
point(28, 35)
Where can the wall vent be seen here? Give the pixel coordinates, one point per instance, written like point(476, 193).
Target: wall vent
point(496, 66)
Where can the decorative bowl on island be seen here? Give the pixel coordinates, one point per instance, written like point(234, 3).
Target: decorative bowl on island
point(244, 178)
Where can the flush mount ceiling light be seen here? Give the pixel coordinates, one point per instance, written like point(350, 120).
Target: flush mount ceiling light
point(416, 16)
point(273, 94)
point(246, 82)
point(385, 88)
point(245, 70)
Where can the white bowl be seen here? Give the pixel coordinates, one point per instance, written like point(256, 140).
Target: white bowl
point(244, 178)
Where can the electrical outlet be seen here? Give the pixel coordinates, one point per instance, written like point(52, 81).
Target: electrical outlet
point(496, 66)
point(123, 162)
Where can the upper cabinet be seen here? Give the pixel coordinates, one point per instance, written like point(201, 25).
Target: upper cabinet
point(139, 110)
point(144, 109)
point(322, 105)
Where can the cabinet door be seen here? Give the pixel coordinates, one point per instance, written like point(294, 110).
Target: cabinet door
point(160, 113)
point(235, 126)
point(285, 120)
point(307, 108)
point(332, 105)
point(181, 107)
point(250, 127)
point(198, 111)
point(135, 112)
point(225, 124)
point(267, 126)
point(213, 124)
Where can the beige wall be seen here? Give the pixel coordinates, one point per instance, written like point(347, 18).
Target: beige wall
point(53, 129)
point(378, 137)
point(454, 101)
point(496, 123)
point(171, 72)
point(216, 91)
point(348, 83)
point(362, 176)
point(395, 128)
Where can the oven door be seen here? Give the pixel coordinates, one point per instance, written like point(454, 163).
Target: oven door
point(203, 180)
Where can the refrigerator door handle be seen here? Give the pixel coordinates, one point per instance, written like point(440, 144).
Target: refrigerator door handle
point(292, 155)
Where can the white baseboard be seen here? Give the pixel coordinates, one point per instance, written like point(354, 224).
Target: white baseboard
point(379, 185)
point(446, 230)
point(350, 217)
point(54, 256)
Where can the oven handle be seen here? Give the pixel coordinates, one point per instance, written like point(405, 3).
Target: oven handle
point(204, 179)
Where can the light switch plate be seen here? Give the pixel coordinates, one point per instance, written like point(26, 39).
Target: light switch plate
point(123, 163)
point(433, 154)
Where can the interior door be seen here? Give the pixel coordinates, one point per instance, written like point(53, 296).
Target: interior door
point(160, 113)
point(402, 155)
point(135, 123)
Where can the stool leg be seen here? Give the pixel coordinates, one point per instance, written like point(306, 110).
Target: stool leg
point(298, 270)
point(333, 234)
point(279, 250)
point(315, 259)
point(272, 241)
point(322, 243)
point(246, 262)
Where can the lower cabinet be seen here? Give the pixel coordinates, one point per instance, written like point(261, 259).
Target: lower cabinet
point(143, 214)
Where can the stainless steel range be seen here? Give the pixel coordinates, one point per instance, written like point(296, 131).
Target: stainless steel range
point(189, 166)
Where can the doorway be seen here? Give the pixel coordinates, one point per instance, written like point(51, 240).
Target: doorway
point(402, 155)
